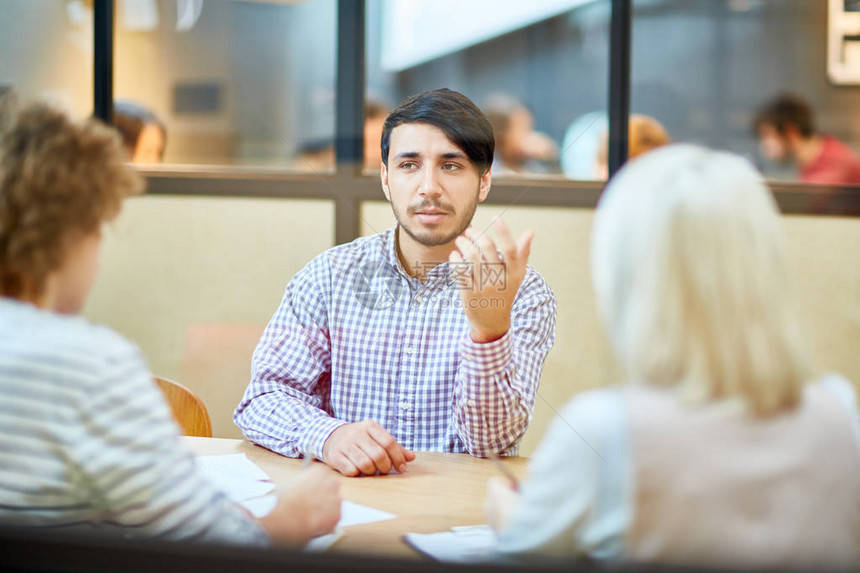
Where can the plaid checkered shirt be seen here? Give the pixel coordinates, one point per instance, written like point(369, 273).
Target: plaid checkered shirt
point(356, 338)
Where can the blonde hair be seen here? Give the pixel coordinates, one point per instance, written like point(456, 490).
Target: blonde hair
point(59, 180)
point(690, 272)
point(644, 134)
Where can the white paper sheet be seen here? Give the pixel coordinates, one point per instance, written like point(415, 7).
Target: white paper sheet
point(323, 542)
point(235, 475)
point(471, 544)
point(241, 489)
point(350, 514)
point(232, 465)
point(356, 514)
point(260, 506)
point(244, 482)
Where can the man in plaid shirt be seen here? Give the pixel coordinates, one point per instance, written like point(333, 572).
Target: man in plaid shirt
point(429, 336)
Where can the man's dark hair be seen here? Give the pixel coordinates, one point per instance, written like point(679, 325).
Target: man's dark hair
point(130, 118)
point(455, 115)
point(783, 111)
point(374, 109)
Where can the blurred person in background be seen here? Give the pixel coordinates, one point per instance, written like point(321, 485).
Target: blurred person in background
point(785, 127)
point(644, 134)
point(87, 440)
point(520, 150)
point(375, 113)
point(315, 156)
point(725, 449)
point(144, 135)
point(319, 156)
point(581, 144)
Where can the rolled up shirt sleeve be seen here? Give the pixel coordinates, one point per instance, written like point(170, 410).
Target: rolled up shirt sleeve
point(497, 382)
point(285, 407)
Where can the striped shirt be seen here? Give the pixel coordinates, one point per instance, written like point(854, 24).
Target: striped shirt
point(357, 338)
point(87, 440)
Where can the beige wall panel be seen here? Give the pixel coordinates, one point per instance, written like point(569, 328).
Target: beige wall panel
point(824, 253)
point(194, 280)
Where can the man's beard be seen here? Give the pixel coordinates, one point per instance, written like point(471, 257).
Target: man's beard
point(430, 238)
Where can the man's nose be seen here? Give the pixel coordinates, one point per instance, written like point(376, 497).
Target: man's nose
point(430, 184)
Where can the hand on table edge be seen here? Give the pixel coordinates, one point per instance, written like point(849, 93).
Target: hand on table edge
point(501, 502)
point(365, 448)
point(307, 507)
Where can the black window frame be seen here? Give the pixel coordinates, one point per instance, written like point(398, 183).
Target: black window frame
point(348, 187)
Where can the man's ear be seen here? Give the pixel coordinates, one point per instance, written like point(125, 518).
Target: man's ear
point(484, 189)
point(383, 176)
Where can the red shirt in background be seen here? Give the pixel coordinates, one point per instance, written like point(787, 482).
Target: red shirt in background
point(836, 165)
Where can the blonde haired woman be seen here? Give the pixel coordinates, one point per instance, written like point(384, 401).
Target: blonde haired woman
point(724, 450)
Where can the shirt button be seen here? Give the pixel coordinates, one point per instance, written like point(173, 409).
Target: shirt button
point(409, 350)
point(405, 405)
point(419, 299)
point(470, 403)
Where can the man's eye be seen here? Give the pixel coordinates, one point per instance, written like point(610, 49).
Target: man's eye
point(450, 166)
point(408, 165)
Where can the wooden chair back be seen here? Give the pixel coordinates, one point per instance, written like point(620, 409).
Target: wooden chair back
point(189, 410)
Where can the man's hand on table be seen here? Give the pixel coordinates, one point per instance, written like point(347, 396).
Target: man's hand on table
point(365, 448)
point(308, 507)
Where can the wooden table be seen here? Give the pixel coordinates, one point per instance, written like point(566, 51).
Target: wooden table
point(438, 491)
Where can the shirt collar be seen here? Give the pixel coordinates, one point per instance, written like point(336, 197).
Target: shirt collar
point(391, 237)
